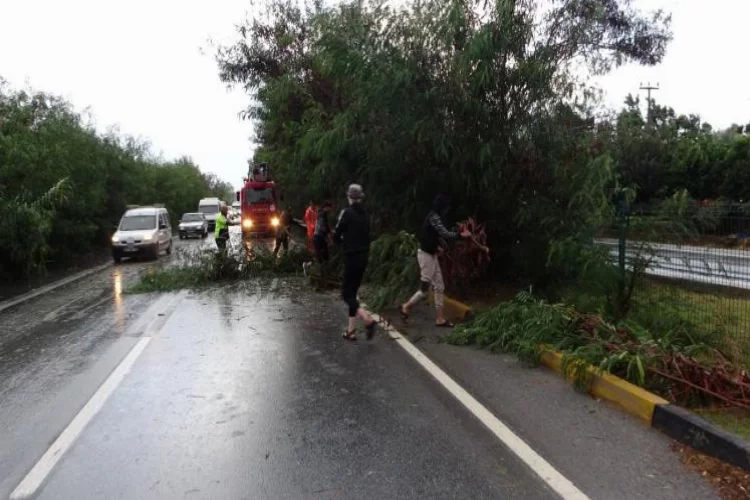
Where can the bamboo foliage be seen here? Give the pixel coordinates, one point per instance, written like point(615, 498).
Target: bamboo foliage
point(475, 99)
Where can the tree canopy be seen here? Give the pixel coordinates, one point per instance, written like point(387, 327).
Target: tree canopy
point(44, 143)
point(485, 101)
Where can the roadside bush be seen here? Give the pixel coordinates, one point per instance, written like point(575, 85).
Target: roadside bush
point(519, 327)
point(657, 349)
point(42, 141)
point(25, 227)
point(392, 271)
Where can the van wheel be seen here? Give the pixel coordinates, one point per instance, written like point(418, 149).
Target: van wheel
point(117, 259)
point(155, 256)
point(169, 249)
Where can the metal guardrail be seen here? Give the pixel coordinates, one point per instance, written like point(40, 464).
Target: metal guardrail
point(716, 266)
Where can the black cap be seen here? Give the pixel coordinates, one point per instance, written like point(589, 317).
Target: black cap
point(441, 203)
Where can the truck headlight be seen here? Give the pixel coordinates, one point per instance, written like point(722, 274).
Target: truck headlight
point(247, 223)
point(275, 222)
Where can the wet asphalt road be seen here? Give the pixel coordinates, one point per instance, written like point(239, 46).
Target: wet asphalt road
point(246, 392)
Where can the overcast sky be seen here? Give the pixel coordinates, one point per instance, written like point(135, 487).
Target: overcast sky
point(139, 64)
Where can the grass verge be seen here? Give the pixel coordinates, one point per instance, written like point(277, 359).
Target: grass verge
point(734, 420)
point(716, 319)
point(660, 347)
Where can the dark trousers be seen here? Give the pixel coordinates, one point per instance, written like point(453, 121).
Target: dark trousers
point(282, 239)
point(221, 241)
point(354, 270)
point(321, 248)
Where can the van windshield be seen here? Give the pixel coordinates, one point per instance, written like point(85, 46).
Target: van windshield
point(137, 222)
point(262, 195)
point(208, 209)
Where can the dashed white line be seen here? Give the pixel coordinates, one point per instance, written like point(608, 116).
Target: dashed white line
point(82, 313)
point(44, 466)
point(52, 315)
point(554, 479)
point(154, 319)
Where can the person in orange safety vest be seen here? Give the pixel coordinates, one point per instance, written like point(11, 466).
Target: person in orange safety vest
point(311, 217)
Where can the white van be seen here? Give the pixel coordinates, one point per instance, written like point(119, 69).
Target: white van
point(142, 231)
point(209, 207)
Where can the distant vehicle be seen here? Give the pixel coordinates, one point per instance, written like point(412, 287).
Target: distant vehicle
point(193, 223)
point(209, 207)
point(259, 202)
point(142, 231)
point(235, 210)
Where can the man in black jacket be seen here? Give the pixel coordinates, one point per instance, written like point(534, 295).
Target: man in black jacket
point(433, 230)
point(353, 236)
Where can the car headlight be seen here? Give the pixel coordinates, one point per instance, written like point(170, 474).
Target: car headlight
point(275, 222)
point(147, 237)
point(247, 223)
point(115, 239)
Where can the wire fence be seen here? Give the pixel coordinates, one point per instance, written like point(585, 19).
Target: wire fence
point(695, 267)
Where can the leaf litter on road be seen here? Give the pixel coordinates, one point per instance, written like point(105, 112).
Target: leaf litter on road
point(732, 483)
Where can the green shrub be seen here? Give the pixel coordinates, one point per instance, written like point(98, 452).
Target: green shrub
point(523, 326)
point(392, 271)
point(211, 268)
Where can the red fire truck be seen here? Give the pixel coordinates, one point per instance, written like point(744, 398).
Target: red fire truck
point(259, 202)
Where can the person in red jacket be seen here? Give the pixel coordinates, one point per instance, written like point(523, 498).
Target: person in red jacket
point(311, 217)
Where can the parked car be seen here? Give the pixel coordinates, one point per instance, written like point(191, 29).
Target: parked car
point(142, 231)
point(194, 223)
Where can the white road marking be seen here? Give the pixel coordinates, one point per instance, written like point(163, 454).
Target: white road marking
point(56, 312)
point(156, 316)
point(554, 479)
point(44, 466)
point(52, 286)
point(82, 313)
point(143, 320)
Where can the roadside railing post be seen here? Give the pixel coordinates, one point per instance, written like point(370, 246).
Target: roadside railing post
point(622, 223)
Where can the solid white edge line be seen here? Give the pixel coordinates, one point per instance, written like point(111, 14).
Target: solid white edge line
point(36, 476)
point(50, 287)
point(554, 479)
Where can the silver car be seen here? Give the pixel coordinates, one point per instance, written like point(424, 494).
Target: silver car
point(193, 224)
point(142, 231)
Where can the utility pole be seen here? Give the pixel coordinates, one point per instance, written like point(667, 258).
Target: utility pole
point(648, 88)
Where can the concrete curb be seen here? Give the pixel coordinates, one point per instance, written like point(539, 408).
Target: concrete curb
point(52, 286)
point(674, 421)
point(453, 308)
point(700, 434)
point(631, 398)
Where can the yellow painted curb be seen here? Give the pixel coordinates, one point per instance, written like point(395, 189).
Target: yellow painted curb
point(631, 398)
point(453, 308)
